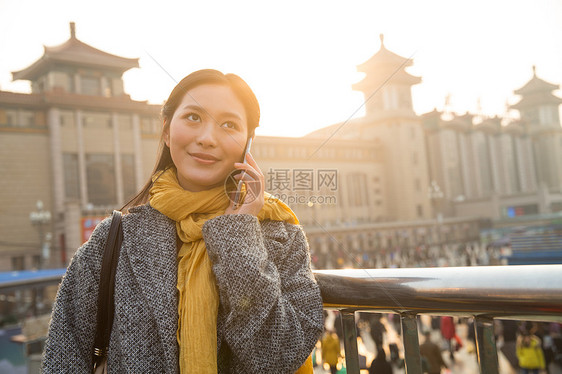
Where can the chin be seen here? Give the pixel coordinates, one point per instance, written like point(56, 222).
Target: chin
point(207, 183)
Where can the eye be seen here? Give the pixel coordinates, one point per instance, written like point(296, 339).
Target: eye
point(193, 117)
point(230, 125)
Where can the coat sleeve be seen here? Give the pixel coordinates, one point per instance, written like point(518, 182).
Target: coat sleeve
point(271, 300)
point(70, 338)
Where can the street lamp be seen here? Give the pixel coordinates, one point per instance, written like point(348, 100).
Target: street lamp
point(42, 218)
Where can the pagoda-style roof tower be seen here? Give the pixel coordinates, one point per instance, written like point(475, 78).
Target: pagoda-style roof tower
point(538, 105)
point(386, 85)
point(536, 85)
point(76, 53)
point(74, 59)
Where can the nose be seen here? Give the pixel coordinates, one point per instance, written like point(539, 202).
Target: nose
point(206, 136)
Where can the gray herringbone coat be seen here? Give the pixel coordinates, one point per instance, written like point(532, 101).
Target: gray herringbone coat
point(270, 313)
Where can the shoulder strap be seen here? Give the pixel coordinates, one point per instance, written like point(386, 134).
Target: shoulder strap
point(106, 306)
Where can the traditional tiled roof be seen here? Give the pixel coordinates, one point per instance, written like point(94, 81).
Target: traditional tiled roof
point(383, 57)
point(492, 124)
point(536, 85)
point(536, 100)
point(384, 66)
point(74, 52)
point(67, 100)
point(463, 122)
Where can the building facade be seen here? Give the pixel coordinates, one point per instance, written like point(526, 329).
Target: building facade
point(77, 143)
point(495, 167)
point(82, 147)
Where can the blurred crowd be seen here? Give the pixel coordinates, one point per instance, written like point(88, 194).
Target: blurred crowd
point(525, 347)
point(458, 254)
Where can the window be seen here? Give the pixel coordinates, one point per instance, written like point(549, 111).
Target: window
point(8, 117)
point(39, 119)
point(117, 86)
point(67, 119)
point(357, 190)
point(419, 209)
point(97, 120)
point(71, 176)
point(27, 118)
point(546, 115)
point(128, 176)
point(90, 85)
point(62, 81)
point(101, 179)
point(390, 97)
point(418, 184)
point(18, 263)
point(108, 90)
point(147, 125)
point(124, 122)
point(36, 262)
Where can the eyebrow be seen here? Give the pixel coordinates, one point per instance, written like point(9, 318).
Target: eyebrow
point(199, 108)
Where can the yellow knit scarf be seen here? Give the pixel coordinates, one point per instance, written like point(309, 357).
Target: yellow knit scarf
point(198, 292)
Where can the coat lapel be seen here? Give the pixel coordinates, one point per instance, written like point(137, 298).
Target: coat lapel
point(152, 254)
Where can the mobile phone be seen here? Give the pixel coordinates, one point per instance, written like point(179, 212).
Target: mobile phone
point(237, 201)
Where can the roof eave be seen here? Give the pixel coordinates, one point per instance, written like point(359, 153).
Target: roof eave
point(32, 71)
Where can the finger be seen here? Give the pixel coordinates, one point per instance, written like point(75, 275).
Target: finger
point(252, 193)
point(252, 161)
point(252, 183)
point(246, 177)
point(248, 169)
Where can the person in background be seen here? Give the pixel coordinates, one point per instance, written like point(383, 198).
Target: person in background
point(432, 354)
point(448, 332)
point(509, 332)
point(380, 365)
point(377, 330)
point(331, 350)
point(530, 354)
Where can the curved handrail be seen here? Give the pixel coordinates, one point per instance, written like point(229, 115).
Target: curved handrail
point(509, 292)
point(524, 292)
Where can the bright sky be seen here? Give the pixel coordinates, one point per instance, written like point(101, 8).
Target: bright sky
point(299, 56)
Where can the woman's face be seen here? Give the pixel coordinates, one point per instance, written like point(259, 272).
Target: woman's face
point(206, 136)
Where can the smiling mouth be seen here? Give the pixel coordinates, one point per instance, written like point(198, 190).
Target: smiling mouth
point(203, 160)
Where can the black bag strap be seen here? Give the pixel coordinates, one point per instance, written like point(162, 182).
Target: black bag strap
point(106, 306)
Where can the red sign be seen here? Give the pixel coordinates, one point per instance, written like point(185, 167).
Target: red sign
point(88, 225)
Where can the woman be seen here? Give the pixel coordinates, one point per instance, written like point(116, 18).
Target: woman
point(202, 285)
point(530, 354)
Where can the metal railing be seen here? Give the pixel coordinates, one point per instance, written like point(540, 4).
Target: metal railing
point(526, 292)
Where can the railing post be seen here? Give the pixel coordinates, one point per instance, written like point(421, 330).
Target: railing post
point(486, 345)
point(350, 342)
point(411, 343)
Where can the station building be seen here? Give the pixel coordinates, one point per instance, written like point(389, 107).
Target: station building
point(79, 144)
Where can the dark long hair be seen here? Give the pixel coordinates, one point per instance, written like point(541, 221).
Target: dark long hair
point(207, 76)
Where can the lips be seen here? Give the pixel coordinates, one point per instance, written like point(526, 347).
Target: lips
point(204, 158)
